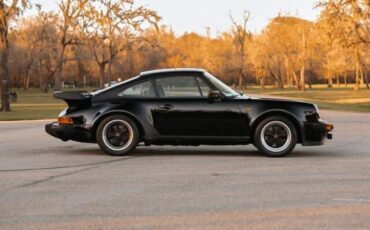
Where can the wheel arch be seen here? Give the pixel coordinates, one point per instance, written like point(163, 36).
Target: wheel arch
point(281, 113)
point(101, 117)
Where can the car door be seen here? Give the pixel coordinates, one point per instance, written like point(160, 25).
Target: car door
point(186, 110)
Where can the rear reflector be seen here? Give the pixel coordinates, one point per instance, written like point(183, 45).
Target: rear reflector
point(65, 120)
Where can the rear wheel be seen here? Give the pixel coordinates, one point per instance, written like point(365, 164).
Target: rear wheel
point(117, 135)
point(275, 136)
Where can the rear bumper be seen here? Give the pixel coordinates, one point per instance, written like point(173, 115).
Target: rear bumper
point(69, 132)
point(315, 133)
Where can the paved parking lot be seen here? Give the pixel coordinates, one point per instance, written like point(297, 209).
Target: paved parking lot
point(48, 184)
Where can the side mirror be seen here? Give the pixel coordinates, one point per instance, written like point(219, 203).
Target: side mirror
point(214, 96)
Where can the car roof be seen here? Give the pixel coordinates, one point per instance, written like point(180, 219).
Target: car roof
point(175, 70)
point(148, 74)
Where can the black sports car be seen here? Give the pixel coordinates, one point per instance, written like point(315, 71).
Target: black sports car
point(185, 107)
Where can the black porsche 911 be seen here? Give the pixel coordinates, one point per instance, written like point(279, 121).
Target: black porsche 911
point(185, 107)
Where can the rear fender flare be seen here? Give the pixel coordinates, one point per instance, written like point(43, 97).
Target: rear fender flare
point(101, 116)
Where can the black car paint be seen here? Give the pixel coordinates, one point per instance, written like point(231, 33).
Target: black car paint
point(181, 121)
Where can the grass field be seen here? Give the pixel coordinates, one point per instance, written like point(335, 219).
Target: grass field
point(343, 99)
point(33, 104)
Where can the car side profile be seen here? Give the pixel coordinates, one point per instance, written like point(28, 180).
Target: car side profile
point(185, 107)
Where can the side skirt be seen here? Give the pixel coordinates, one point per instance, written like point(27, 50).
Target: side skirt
point(196, 140)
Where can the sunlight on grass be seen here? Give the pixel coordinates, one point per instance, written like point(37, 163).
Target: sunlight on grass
point(335, 99)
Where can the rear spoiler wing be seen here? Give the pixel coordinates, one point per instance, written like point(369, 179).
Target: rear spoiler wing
point(75, 99)
point(73, 95)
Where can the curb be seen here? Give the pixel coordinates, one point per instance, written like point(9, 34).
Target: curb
point(26, 121)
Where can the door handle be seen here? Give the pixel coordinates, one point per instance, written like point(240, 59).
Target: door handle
point(166, 107)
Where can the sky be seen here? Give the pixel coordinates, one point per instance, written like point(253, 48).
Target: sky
point(196, 15)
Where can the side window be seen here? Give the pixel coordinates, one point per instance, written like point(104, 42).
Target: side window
point(178, 87)
point(143, 89)
point(203, 87)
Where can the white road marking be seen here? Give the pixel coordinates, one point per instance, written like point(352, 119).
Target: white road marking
point(353, 200)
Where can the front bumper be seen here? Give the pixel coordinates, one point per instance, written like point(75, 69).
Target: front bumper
point(315, 133)
point(70, 132)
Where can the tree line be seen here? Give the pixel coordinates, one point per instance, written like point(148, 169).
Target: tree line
point(98, 41)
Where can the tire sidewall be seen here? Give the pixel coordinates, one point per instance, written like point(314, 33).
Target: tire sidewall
point(258, 141)
point(107, 149)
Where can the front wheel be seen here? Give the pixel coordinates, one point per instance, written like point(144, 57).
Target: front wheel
point(117, 135)
point(275, 136)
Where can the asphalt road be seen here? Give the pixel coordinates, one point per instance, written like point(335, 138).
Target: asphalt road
point(48, 184)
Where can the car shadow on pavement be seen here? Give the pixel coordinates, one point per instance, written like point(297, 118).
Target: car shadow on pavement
point(200, 151)
point(194, 152)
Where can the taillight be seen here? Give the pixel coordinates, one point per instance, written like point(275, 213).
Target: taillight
point(65, 120)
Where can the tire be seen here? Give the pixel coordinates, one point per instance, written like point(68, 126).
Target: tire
point(117, 135)
point(275, 136)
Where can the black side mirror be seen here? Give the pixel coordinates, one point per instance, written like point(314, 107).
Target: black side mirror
point(214, 96)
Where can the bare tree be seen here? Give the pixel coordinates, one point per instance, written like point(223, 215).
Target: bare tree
point(71, 13)
point(8, 11)
point(302, 79)
point(112, 25)
point(241, 36)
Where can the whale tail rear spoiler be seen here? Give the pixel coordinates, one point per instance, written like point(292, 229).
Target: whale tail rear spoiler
point(76, 100)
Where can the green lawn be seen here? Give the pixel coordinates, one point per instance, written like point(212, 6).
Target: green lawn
point(333, 99)
point(33, 104)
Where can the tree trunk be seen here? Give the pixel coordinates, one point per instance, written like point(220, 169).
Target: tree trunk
point(330, 82)
point(262, 82)
point(303, 68)
point(338, 83)
point(295, 79)
point(287, 75)
point(101, 74)
point(366, 80)
point(240, 84)
point(357, 83)
point(27, 80)
point(358, 61)
point(59, 70)
point(302, 79)
point(45, 87)
point(109, 72)
point(345, 81)
point(4, 71)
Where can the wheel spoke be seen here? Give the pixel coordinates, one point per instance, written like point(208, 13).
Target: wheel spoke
point(117, 134)
point(275, 135)
point(269, 140)
point(280, 142)
point(269, 132)
point(282, 133)
point(114, 140)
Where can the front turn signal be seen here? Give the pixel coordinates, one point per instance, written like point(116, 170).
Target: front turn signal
point(65, 120)
point(329, 127)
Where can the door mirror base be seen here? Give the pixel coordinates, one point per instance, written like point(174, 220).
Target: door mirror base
point(214, 96)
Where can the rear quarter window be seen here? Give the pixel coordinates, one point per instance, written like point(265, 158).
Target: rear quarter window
point(140, 90)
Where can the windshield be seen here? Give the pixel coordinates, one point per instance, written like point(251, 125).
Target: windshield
point(226, 90)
